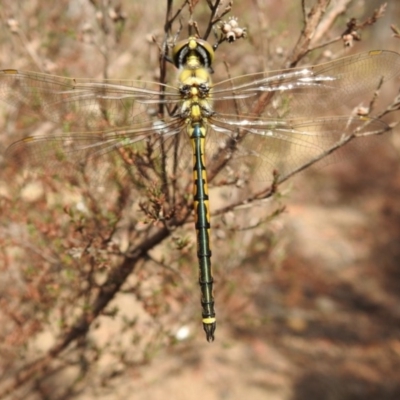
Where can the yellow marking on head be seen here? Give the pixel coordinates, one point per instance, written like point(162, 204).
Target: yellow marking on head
point(192, 43)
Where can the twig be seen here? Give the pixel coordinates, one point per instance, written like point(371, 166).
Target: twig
point(311, 21)
point(396, 31)
point(108, 290)
point(214, 18)
point(338, 9)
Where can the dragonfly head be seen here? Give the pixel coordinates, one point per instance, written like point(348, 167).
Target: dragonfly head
point(193, 51)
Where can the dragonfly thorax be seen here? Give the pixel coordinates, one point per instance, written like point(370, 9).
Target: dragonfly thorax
point(195, 91)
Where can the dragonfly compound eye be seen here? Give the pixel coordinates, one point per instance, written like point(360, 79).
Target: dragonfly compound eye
point(193, 47)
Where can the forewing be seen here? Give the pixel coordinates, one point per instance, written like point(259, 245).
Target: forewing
point(333, 88)
point(85, 104)
point(99, 125)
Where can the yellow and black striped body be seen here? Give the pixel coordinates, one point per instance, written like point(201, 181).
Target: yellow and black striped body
point(202, 218)
point(193, 57)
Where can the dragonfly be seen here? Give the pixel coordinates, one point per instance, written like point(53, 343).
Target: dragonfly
point(272, 120)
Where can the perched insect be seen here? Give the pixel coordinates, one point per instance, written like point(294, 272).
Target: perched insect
point(274, 121)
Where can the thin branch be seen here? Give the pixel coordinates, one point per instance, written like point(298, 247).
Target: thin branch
point(338, 8)
point(171, 18)
point(108, 290)
point(311, 21)
point(396, 31)
point(214, 18)
point(349, 34)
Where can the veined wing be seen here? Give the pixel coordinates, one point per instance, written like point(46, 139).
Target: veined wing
point(281, 120)
point(333, 88)
point(85, 104)
point(255, 107)
point(260, 146)
point(93, 119)
point(98, 154)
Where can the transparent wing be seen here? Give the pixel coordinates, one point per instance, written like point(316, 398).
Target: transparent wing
point(85, 104)
point(281, 120)
point(333, 88)
point(276, 119)
point(98, 124)
point(97, 154)
point(260, 147)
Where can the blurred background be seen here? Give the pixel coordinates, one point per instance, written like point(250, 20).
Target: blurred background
point(307, 300)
